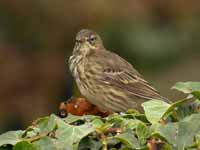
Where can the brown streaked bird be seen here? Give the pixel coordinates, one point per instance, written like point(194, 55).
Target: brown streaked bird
point(104, 78)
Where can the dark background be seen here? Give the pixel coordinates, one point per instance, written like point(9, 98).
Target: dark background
point(161, 39)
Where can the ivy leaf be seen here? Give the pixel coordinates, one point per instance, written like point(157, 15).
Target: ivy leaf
point(11, 137)
point(167, 131)
point(131, 124)
point(72, 118)
point(128, 139)
point(89, 144)
point(115, 119)
point(46, 124)
point(188, 88)
point(177, 104)
point(24, 145)
point(69, 136)
point(41, 126)
point(142, 132)
point(187, 129)
point(155, 109)
point(6, 147)
point(45, 143)
point(97, 123)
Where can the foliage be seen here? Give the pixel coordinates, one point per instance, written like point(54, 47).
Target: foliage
point(165, 126)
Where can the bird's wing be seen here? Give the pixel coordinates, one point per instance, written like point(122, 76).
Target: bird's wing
point(119, 73)
point(132, 84)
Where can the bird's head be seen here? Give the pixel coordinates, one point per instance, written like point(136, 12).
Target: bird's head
point(86, 41)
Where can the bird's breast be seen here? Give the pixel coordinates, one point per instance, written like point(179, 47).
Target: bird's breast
point(75, 65)
point(77, 68)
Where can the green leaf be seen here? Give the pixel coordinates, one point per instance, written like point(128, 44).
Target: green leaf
point(112, 141)
point(24, 145)
point(115, 118)
point(131, 123)
point(188, 88)
point(72, 118)
point(46, 143)
point(128, 139)
point(6, 147)
point(89, 118)
point(187, 129)
point(175, 105)
point(41, 126)
point(142, 132)
point(155, 109)
point(183, 111)
point(11, 137)
point(89, 144)
point(97, 123)
point(46, 124)
point(69, 136)
point(168, 131)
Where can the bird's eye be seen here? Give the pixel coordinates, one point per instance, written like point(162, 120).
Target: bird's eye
point(77, 41)
point(92, 39)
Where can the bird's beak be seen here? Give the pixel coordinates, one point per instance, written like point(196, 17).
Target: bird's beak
point(90, 46)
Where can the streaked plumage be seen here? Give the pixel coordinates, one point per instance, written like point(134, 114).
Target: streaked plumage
point(104, 78)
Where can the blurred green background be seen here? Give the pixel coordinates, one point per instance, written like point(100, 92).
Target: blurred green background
point(161, 39)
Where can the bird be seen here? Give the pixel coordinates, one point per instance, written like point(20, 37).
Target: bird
point(106, 79)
